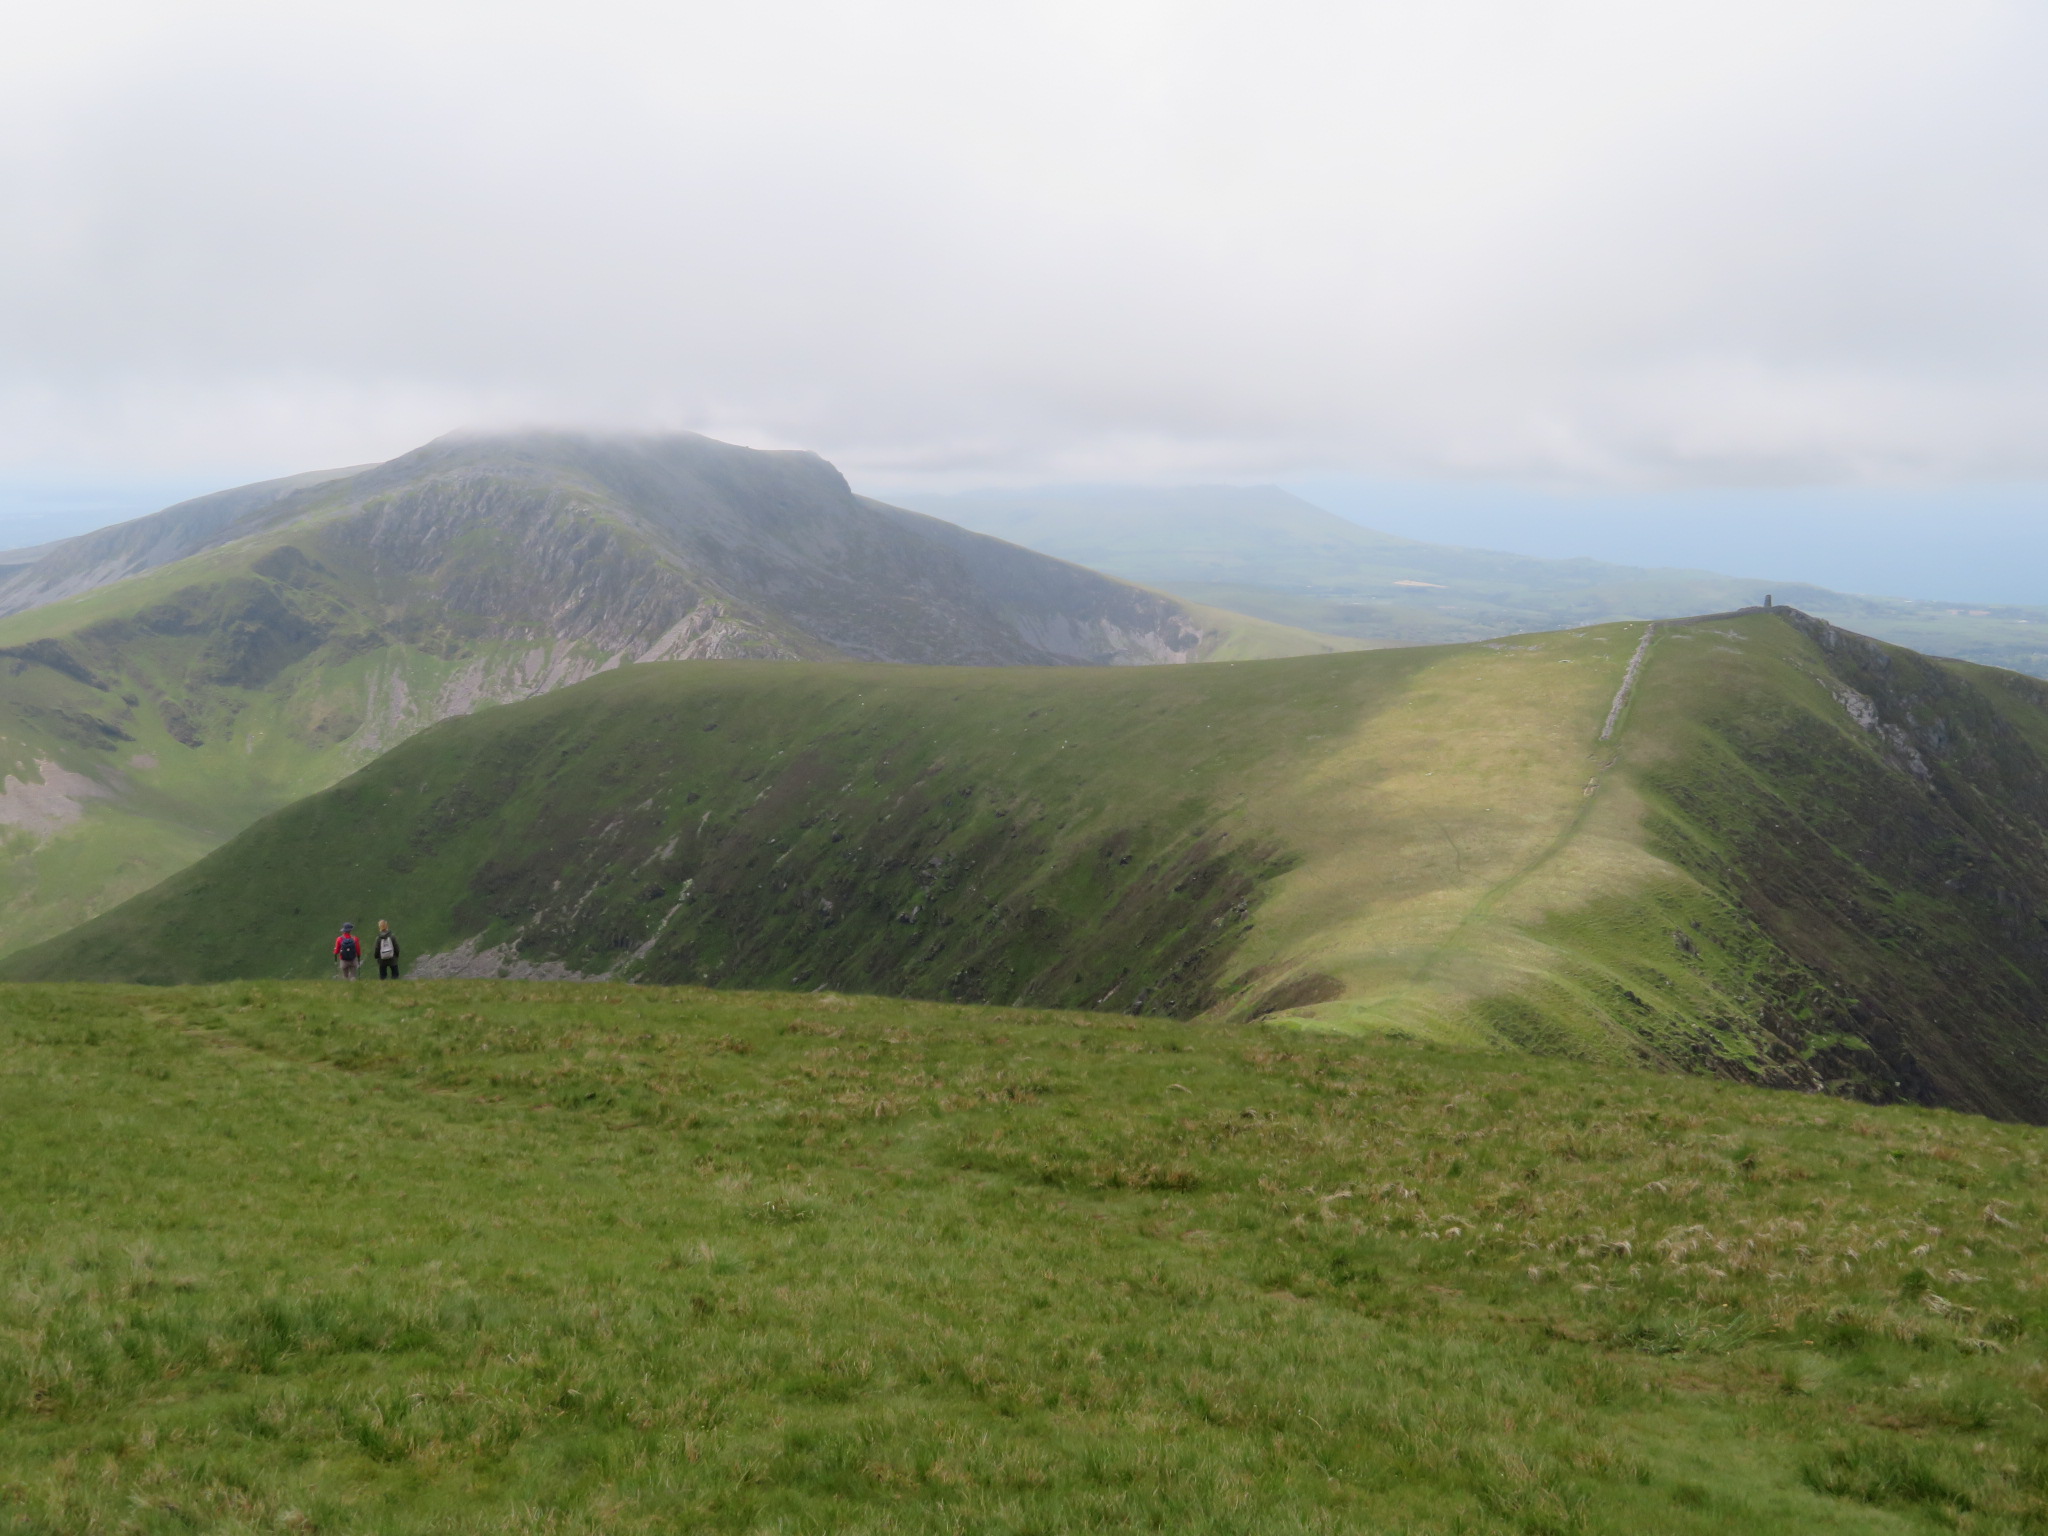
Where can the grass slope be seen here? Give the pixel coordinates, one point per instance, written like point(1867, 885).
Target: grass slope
point(476, 1257)
point(147, 722)
point(1804, 859)
point(1263, 551)
point(31, 578)
point(325, 618)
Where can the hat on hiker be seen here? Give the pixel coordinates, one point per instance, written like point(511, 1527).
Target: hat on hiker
point(348, 927)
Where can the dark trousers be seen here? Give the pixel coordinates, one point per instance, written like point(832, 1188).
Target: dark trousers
point(386, 969)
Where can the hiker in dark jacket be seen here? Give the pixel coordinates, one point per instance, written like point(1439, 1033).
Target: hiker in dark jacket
point(385, 947)
point(348, 952)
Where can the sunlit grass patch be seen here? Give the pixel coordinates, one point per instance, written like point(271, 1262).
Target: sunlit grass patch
point(498, 1257)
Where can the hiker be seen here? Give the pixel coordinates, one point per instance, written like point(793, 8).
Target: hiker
point(348, 953)
point(385, 948)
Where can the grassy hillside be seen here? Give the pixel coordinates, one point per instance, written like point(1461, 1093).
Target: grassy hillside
point(1802, 858)
point(475, 1257)
point(268, 640)
point(31, 578)
point(1263, 551)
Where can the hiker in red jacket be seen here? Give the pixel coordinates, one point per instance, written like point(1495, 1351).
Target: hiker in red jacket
point(348, 952)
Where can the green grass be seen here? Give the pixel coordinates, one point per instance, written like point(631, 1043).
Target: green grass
point(202, 694)
point(1241, 637)
point(1180, 840)
point(164, 698)
point(515, 1257)
point(1434, 841)
point(166, 801)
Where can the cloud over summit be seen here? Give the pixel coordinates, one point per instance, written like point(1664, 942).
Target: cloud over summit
point(1578, 240)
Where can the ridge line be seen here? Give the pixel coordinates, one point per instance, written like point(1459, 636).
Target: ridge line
point(1628, 681)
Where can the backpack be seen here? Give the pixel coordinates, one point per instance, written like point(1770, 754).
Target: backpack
point(349, 951)
point(387, 947)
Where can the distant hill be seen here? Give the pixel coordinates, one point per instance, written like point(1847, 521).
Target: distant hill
point(1784, 853)
point(1264, 551)
point(31, 578)
point(164, 682)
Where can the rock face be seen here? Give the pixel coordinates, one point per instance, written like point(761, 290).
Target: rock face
point(204, 665)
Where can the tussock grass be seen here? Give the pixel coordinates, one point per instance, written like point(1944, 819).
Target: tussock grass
point(470, 1257)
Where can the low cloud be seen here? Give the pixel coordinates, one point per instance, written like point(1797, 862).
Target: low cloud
point(1583, 242)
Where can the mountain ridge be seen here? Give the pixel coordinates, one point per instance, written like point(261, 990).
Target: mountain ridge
point(87, 561)
point(1804, 858)
point(306, 625)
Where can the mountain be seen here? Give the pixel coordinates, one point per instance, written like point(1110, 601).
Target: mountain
point(165, 682)
point(1754, 845)
point(1264, 551)
point(30, 578)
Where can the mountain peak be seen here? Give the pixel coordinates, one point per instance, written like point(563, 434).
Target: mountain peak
point(283, 634)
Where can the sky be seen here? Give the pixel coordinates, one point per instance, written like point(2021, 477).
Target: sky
point(1548, 254)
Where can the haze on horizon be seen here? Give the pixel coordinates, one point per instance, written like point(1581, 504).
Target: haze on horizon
point(1577, 246)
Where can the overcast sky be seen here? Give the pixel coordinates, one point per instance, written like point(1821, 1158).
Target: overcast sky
point(1564, 242)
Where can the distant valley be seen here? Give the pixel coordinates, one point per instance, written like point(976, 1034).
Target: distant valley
point(1264, 551)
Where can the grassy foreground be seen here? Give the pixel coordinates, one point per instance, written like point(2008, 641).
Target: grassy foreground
point(474, 1256)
